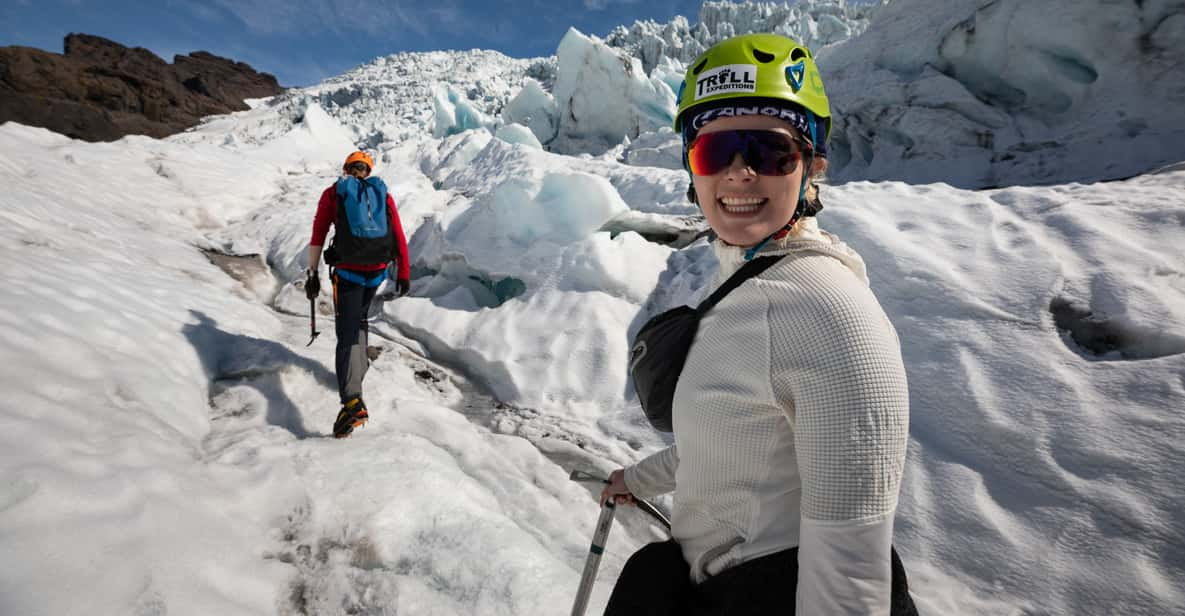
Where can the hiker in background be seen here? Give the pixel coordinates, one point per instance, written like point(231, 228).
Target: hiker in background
point(367, 238)
point(791, 413)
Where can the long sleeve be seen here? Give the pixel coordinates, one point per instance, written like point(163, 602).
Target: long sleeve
point(326, 215)
point(843, 383)
point(654, 474)
point(843, 568)
point(791, 420)
point(400, 240)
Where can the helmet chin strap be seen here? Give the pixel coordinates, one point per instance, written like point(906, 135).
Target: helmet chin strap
point(798, 209)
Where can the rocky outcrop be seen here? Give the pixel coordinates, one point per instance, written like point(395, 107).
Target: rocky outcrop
point(99, 90)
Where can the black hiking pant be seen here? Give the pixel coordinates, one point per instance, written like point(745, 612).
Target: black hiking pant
point(656, 582)
point(351, 301)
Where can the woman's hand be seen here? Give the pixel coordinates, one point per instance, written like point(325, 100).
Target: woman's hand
point(617, 490)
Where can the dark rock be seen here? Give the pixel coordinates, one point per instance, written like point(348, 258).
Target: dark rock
point(99, 90)
point(223, 79)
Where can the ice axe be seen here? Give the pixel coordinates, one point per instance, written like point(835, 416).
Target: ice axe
point(647, 508)
point(600, 535)
point(313, 321)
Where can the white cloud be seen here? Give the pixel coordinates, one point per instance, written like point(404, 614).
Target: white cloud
point(600, 5)
point(203, 12)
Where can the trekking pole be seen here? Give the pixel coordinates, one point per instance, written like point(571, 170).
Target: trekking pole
point(600, 535)
point(313, 321)
point(646, 507)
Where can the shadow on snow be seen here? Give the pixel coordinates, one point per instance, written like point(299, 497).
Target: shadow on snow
point(239, 359)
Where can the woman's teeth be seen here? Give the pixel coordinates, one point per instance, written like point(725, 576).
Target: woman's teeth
point(741, 205)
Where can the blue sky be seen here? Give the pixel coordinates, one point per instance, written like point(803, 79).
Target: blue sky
point(304, 41)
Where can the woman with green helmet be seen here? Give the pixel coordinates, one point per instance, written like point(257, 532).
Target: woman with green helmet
point(791, 411)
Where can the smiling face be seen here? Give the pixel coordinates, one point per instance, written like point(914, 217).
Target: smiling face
point(741, 206)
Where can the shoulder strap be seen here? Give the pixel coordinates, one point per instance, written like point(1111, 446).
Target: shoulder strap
point(749, 270)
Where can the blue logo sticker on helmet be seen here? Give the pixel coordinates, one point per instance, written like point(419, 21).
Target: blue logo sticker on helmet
point(795, 73)
point(682, 86)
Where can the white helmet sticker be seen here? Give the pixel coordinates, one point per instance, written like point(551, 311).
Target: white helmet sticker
point(726, 79)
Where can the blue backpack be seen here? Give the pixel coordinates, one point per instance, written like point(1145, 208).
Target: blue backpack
point(363, 232)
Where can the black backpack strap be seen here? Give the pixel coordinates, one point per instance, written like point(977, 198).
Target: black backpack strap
point(749, 270)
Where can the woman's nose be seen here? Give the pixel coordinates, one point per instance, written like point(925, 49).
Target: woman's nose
point(739, 170)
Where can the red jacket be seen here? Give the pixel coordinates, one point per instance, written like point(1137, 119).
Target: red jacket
point(327, 215)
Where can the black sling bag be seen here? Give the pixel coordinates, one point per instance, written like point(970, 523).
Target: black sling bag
point(660, 347)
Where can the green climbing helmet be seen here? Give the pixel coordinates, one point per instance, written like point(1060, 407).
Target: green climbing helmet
point(754, 65)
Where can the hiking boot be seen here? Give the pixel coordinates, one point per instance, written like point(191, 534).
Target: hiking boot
point(353, 415)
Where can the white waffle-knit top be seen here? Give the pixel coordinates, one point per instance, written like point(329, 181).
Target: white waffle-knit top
point(791, 419)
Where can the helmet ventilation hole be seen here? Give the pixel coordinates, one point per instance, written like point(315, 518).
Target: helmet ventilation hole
point(763, 57)
point(799, 53)
point(699, 68)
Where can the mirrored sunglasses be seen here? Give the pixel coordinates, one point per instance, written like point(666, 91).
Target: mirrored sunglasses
point(767, 152)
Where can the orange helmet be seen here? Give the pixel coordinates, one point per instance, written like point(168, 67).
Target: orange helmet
point(359, 156)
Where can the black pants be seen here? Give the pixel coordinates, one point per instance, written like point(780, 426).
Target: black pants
point(656, 582)
point(350, 304)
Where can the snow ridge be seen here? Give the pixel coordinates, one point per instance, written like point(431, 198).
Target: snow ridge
point(163, 410)
point(814, 23)
point(389, 99)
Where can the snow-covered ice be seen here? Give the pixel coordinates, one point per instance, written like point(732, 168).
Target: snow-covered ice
point(165, 428)
point(983, 94)
point(814, 23)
